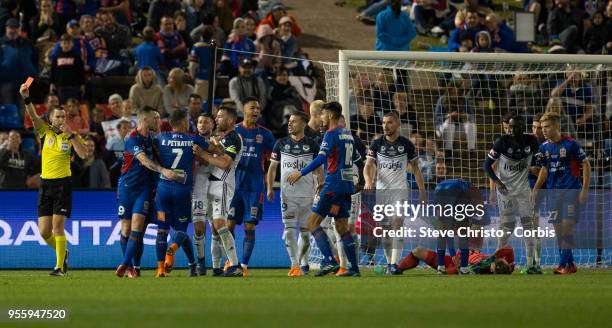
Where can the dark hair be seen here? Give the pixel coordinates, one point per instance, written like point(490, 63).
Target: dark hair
point(537, 117)
point(396, 6)
point(249, 99)
point(502, 267)
point(181, 13)
point(334, 107)
point(229, 110)
point(122, 122)
point(303, 116)
point(508, 116)
point(392, 113)
point(280, 70)
point(207, 115)
point(195, 96)
point(148, 34)
point(177, 117)
point(207, 32)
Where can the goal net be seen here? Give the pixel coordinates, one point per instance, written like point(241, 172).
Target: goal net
point(451, 107)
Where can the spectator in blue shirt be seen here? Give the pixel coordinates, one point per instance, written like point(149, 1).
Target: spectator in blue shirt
point(472, 25)
point(148, 53)
point(502, 36)
point(199, 62)
point(394, 29)
point(18, 60)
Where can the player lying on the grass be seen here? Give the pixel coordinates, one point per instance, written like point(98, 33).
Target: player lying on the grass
point(514, 156)
point(199, 201)
point(137, 183)
point(55, 193)
point(500, 262)
point(390, 157)
point(294, 152)
point(222, 185)
point(458, 192)
point(173, 199)
point(337, 153)
point(560, 161)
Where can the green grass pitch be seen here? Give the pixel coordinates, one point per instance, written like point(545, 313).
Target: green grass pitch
point(268, 298)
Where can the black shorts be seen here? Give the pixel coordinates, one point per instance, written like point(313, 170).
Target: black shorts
point(55, 197)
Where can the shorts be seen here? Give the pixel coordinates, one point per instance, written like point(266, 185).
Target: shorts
point(511, 206)
point(55, 197)
point(391, 197)
point(134, 202)
point(296, 208)
point(173, 205)
point(246, 207)
point(332, 204)
point(220, 195)
point(199, 200)
point(562, 205)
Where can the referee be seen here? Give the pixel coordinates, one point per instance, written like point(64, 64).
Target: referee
point(55, 192)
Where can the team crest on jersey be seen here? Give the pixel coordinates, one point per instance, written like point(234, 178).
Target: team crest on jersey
point(287, 147)
point(527, 150)
point(306, 147)
point(510, 150)
point(400, 149)
point(259, 138)
point(562, 152)
point(382, 148)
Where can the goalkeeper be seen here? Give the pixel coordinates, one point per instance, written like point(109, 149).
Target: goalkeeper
point(500, 262)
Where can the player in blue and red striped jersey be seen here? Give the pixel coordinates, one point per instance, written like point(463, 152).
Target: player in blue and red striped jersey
point(173, 198)
point(247, 204)
point(136, 185)
point(337, 153)
point(561, 159)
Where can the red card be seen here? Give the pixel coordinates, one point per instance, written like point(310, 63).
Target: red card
point(29, 81)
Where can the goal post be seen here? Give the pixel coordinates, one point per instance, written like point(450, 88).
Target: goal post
point(483, 87)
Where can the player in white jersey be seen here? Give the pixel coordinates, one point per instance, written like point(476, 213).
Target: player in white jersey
point(222, 183)
point(389, 158)
point(199, 198)
point(514, 156)
point(293, 153)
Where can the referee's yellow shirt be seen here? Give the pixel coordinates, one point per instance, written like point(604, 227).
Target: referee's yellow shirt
point(56, 151)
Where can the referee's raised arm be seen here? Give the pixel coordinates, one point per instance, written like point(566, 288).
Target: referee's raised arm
point(36, 120)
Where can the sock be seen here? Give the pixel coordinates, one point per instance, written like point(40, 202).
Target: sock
point(565, 254)
point(465, 254)
point(248, 244)
point(216, 251)
point(349, 250)
point(229, 244)
point(408, 262)
point(570, 259)
point(291, 244)
point(441, 253)
point(398, 249)
point(60, 251)
point(537, 252)
point(135, 238)
point(183, 240)
point(161, 244)
point(387, 245)
point(200, 242)
point(123, 240)
point(304, 247)
point(331, 236)
point(323, 244)
point(344, 262)
point(51, 241)
point(357, 241)
point(138, 254)
point(430, 259)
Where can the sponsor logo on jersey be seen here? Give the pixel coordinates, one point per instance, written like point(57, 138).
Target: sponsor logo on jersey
point(390, 165)
point(296, 165)
point(521, 166)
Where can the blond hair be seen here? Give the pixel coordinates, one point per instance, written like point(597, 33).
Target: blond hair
point(550, 116)
point(316, 107)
